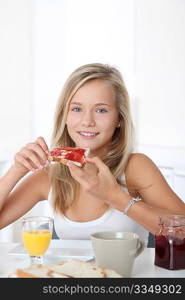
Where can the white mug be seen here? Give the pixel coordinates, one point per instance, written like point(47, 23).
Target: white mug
point(117, 250)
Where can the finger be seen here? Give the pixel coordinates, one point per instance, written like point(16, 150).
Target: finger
point(26, 153)
point(39, 150)
point(41, 141)
point(98, 162)
point(77, 173)
point(21, 160)
point(90, 168)
point(73, 168)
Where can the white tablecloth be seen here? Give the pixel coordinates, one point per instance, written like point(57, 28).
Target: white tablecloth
point(11, 258)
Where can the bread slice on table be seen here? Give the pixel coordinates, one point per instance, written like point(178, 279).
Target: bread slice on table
point(70, 269)
point(39, 271)
point(80, 269)
point(111, 274)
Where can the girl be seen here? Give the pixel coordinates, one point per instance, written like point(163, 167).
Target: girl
point(116, 190)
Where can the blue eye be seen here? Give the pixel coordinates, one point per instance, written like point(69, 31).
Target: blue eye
point(76, 109)
point(101, 110)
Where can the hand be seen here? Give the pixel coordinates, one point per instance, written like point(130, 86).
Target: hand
point(96, 179)
point(32, 157)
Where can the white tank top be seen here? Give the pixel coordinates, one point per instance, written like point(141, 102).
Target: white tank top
point(111, 220)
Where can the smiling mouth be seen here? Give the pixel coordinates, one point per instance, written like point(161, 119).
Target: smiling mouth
point(88, 134)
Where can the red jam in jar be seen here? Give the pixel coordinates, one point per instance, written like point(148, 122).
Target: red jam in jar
point(170, 243)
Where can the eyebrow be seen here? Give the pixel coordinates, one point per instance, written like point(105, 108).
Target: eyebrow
point(97, 104)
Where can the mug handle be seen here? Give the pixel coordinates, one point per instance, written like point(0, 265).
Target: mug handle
point(139, 249)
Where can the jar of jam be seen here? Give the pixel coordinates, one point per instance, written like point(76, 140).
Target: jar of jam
point(170, 243)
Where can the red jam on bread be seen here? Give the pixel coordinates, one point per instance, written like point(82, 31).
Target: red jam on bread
point(72, 154)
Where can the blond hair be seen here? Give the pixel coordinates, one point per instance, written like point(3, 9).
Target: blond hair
point(64, 187)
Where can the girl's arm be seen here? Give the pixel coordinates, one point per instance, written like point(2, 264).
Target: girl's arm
point(143, 179)
point(16, 197)
point(158, 199)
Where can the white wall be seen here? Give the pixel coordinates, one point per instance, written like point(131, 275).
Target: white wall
point(15, 75)
point(160, 71)
point(159, 86)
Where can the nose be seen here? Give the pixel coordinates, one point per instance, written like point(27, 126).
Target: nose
point(88, 119)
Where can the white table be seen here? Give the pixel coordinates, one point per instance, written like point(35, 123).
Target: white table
point(11, 258)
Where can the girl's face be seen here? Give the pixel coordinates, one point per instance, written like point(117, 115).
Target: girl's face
point(93, 117)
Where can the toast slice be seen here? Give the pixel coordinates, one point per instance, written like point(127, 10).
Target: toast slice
point(73, 268)
point(79, 269)
point(111, 274)
point(73, 154)
point(38, 271)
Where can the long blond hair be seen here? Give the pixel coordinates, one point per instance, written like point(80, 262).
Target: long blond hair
point(64, 187)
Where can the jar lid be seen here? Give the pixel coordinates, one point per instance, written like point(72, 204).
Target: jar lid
point(172, 220)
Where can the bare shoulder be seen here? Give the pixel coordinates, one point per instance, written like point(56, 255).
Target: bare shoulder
point(141, 170)
point(143, 177)
point(139, 160)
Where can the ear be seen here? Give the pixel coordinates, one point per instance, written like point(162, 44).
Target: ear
point(119, 121)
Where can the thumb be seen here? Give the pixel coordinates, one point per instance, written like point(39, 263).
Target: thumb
point(98, 162)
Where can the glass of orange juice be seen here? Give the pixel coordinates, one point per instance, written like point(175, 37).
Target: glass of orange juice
point(36, 236)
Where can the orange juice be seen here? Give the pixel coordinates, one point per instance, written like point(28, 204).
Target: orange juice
point(36, 241)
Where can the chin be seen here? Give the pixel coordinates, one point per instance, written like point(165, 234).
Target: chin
point(94, 146)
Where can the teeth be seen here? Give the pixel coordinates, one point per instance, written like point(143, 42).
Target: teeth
point(87, 134)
